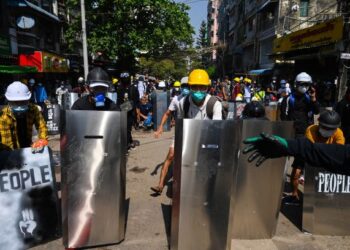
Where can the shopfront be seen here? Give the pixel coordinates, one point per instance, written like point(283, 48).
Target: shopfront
point(314, 50)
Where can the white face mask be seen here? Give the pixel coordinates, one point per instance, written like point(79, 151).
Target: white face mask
point(326, 133)
point(302, 89)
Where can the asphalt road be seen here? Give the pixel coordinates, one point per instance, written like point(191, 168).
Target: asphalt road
point(148, 222)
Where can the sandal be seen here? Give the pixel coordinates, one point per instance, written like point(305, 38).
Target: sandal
point(157, 190)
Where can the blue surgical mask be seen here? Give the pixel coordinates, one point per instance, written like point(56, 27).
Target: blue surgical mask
point(198, 96)
point(185, 91)
point(19, 109)
point(100, 99)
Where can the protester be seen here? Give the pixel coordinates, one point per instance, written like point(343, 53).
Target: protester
point(98, 83)
point(60, 92)
point(40, 95)
point(18, 118)
point(247, 90)
point(129, 101)
point(299, 107)
point(173, 107)
point(146, 113)
point(343, 109)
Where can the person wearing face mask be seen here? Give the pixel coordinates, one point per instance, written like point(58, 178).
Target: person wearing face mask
point(17, 120)
point(300, 107)
point(129, 101)
point(98, 82)
point(199, 104)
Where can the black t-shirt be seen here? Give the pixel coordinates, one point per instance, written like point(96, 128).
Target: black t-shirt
point(84, 103)
point(129, 93)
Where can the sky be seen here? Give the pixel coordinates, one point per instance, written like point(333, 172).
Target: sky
point(197, 13)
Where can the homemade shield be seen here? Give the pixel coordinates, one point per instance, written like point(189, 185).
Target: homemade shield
point(93, 178)
point(52, 114)
point(205, 158)
point(28, 199)
point(69, 99)
point(326, 202)
point(257, 191)
point(112, 96)
point(160, 102)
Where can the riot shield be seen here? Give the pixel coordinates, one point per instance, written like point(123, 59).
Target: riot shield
point(257, 192)
point(205, 157)
point(28, 199)
point(326, 202)
point(52, 114)
point(160, 102)
point(93, 178)
point(69, 99)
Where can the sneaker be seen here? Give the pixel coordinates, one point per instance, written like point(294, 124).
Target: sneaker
point(291, 200)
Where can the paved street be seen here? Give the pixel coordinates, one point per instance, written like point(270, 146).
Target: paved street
point(148, 217)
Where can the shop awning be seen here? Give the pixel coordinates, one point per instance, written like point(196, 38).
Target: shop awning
point(15, 69)
point(260, 72)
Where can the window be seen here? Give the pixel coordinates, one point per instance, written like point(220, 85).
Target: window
point(304, 8)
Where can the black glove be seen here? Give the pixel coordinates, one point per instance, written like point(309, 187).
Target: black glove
point(265, 146)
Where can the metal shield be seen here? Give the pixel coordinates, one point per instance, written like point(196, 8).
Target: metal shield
point(160, 102)
point(326, 202)
point(93, 178)
point(69, 99)
point(28, 199)
point(257, 192)
point(205, 157)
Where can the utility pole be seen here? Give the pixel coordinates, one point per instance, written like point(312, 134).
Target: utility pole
point(83, 30)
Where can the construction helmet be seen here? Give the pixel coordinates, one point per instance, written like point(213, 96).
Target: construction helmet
point(17, 91)
point(239, 97)
point(236, 79)
point(161, 84)
point(177, 84)
point(247, 80)
point(329, 119)
point(184, 80)
point(199, 77)
point(303, 77)
point(114, 80)
point(81, 80)
point(98, 77)
point(253, 110)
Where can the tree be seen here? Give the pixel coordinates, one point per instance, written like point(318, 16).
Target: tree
point(202, 39)
point(124, 29)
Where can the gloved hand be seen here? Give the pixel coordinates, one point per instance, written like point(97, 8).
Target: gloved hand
point(39, 145)
point(265, 146)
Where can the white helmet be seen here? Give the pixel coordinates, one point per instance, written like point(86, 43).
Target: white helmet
point(31, 82)
point(161, 84)
point(80, 79)
point(184, 80)
point(303, 77)
point(17, 91)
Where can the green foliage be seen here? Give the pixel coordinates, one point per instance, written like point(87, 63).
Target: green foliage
point(202, 39)
point(124, 28)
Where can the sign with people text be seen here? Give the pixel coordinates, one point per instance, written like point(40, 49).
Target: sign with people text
point(320, 34)
point(332, 183)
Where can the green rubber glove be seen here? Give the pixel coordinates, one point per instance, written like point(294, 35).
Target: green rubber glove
point(265, 146)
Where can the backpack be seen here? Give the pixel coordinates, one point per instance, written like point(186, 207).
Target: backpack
point(209, 108)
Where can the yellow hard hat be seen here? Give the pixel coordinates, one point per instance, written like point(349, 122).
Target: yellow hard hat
point(177, 84)
point(247, 80)
point(114, 80)
point(236, 79)
point(239, 97)
point(198, 77)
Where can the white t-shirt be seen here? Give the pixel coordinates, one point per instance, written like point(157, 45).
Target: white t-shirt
point(174, 104)
point(200, 113)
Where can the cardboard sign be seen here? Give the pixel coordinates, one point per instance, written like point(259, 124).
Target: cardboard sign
point(28, 199)
point(52, 118)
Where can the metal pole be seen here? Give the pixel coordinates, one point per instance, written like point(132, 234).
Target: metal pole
point(83, 30)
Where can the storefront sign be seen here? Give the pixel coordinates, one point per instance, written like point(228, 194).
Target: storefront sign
point(45, 62)
point(317, 35)
point(4, 45)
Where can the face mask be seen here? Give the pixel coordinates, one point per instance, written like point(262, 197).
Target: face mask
point(185, 91)
point(100, 100)
point(198, 96)
point(326, 133)
point(19, 109)
point(302, 89)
